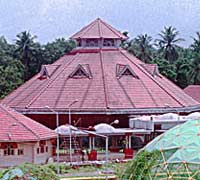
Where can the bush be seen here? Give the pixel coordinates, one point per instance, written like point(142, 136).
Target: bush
point(141, 165)
point(29, 171)
point(63, 168)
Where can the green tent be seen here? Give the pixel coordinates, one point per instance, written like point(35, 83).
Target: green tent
point(172, 155)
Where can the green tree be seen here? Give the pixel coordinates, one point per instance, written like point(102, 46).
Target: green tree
point(6, 48)
point(54, 50)
point(167, 43)
point(25, 48)
point(194, 72)
point(143, 47)
point(165, 68)
point(182, 68)
point(11, 74)
point(196, 44)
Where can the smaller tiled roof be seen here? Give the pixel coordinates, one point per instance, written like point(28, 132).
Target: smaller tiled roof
point(193, 91)
point(98, 29)
point(15, 127)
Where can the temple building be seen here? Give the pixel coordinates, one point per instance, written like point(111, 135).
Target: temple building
point(98, 82)
point(23, 140)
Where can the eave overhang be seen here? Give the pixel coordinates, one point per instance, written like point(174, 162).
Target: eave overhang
point(110, 111)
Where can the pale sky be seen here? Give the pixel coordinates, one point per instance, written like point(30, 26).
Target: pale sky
point(51, 19)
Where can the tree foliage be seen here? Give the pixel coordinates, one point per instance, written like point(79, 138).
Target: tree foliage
point(168, 42)
point(29, 171)
point(23, 59)
point(141, 47)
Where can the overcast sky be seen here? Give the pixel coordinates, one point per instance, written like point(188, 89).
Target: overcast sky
point(51, 19)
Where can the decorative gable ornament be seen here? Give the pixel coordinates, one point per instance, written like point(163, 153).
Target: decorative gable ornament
point(81, 71)
point(47, 71)
point(125, 70)
point(151, 69)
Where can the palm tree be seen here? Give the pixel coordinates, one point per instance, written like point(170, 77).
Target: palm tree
point(141, 47)
point(194, 72)
point(167, 44)
point(182, 68)
point(144, 47)
point(196, 44)
point(25, 47)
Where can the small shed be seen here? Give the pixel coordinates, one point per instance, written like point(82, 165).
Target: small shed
point(23, 140)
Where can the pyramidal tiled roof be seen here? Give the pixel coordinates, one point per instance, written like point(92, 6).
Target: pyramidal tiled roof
point(102, 79)
point(136, 92)
point(98, 29)
point(15, 127)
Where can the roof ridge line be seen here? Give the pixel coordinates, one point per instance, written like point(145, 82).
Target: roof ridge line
point(103, 78)
point(50, 82)
point(126, 93)
point(12, 92)
point(170, 94)
point(84, 28)
point(148, 91)
point(178, 88)
point(28, 95)
point(111, 28)
point(60, 92)
point(22, 85)
point(91, 25)
point(100, 31)
point(5, 110)
point(86, 93)
point(127, 66)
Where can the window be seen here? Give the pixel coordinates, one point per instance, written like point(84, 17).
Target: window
point(20, 152)
point(42, 149)
point(38, 150)
point(47, 149)
point(79, 72)
point(92, 42)
point(9, 150)
point(78, 43)
point(42, 144)
point(127, 72)
point(108, 42)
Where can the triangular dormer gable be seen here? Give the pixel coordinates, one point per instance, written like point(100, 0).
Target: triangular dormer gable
point(47, 71)
point(81, 71)
point(43, 71)
point(151, 69)
point(125, 70)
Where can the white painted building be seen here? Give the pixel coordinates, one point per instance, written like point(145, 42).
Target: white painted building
point(23, 140)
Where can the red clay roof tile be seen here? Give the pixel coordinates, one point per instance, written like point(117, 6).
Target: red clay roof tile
point(98, 29)
point(102, 90)
point(193, 91)
point(15, 127)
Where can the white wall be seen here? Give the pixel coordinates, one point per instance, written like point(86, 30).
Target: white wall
point(14, 160)
point(42, 158)
point(30, 155)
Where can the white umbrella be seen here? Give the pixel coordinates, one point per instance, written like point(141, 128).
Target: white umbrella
point(104, 128)
point(195, 115)
point(65, 130)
